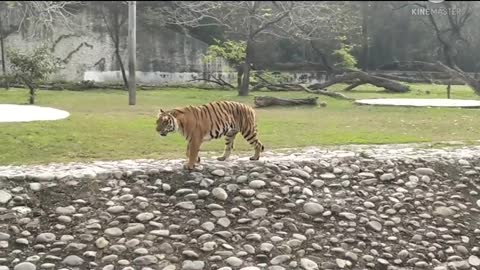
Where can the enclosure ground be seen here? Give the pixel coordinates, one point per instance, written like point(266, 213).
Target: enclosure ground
point(374, 207)
point(103, 127)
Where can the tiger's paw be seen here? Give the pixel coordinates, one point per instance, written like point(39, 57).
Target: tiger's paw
point(254, 158)
point(187, 166)
point(221, 158)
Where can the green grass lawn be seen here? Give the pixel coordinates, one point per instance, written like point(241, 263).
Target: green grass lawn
point(103, 127)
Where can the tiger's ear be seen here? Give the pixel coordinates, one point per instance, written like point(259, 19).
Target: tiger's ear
point(160, 111)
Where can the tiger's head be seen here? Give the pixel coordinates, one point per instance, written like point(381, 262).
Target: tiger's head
point(166, 123)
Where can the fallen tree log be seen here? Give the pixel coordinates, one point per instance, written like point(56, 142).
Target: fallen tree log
point(364, 78)
point(266, 101)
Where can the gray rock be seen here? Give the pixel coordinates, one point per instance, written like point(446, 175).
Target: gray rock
point(318, 183)
point(347, 215)
point(143, 217)
point(375, 225)
point(301, 173)
point(35, 186)
point(113, 232)
point(266, 247)
point(185, 205)
point(258, 213)
point(308, 264)
point(166, 248)
point(474, 261)
point(145, 260)
point(443, 211)
point(459, 265)
point(101, 243)
point(256, 184)
point(234, 261)
point(387, 177)
point(328, 176)
point(312, 208)
point(4, 196)
point(4, 236)
point(351, 256)
point(424, 171)
point(341, 263)
point(46, 237)
point(193, 265)
point(116, 209)
point(69, 210)
point(73, 260)
point(220, 194)
point(25, 266)
point(218, 172)
point(280, 259)
point(224, 222)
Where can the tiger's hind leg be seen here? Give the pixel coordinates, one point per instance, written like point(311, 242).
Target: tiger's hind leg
point(229, 139)
point(251, 137)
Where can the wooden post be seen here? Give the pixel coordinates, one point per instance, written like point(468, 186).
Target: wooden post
point(448, 89)
point(131, 52)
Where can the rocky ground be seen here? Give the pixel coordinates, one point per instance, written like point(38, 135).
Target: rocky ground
point(360, 208)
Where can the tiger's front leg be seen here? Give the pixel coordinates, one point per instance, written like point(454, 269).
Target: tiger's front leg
point(194, 148)
point(188, 153)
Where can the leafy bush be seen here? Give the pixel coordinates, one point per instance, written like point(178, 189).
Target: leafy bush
point(233, 51)
point(344, 58)
point(32, 67)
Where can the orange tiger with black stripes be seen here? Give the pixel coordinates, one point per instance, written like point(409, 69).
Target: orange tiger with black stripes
point(211, 121)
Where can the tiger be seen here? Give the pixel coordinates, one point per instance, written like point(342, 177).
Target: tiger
point(214, 120)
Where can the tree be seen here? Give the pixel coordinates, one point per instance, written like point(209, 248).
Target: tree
point(115, 15)
point(327, 26)
point(241, 20)
point(232, 51)
point(36, 17)
point(33, 67)
point(450, 27)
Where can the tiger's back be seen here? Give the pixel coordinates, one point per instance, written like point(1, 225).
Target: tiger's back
point(219, 118)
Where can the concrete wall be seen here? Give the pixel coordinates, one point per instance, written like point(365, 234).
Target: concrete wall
point(164, 57)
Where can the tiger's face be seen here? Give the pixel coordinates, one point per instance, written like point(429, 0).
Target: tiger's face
point(165, 123)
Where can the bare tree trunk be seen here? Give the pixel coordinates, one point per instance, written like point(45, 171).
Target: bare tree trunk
point(32, 95)
point(244, 89)
point(272, 101)
point(365, 45)
point(2, 45)
point(245, 83)
point(239, 76)
point(122, 68)
point(448, 90)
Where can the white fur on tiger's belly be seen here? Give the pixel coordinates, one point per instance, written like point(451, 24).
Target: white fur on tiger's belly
point(207, 138)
